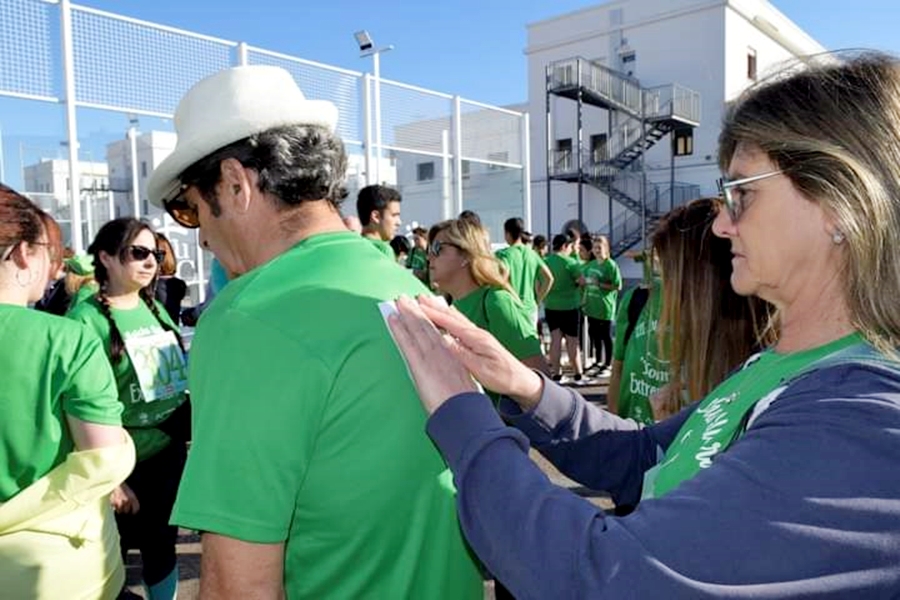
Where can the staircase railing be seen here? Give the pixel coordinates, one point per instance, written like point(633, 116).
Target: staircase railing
point(627, 229)
point(671, 101)
point(609, 84)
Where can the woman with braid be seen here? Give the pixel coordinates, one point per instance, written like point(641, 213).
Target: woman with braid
point(148, 361)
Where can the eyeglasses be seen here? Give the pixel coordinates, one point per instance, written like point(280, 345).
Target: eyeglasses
point(437, 245)
point(51, 251)
point(727, 188)
point(143, 252)
point(183, 213)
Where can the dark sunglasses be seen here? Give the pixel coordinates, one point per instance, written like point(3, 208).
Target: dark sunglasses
point(183, 213)
point(143, 252)
point(435, 248)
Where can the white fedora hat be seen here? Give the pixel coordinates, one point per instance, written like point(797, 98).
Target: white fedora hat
point(229, 106)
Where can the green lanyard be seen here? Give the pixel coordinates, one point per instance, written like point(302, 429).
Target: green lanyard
point(722, 416)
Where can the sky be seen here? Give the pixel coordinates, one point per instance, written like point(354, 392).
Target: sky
point(474, 48)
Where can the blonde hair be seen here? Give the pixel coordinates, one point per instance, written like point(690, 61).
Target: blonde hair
point(711, 329)
point(834, 129)
point(73, 283)
point(472, 241)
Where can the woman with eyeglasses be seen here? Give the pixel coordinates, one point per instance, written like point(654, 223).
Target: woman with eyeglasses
point(782, 482)
point(170, 289)
point(147, 357)
point(462, 266)
point(62, 446)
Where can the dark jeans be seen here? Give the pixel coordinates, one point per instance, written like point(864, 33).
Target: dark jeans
point(601, 336)
point(155, 483)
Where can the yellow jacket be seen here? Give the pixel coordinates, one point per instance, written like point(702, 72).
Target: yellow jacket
point(58, 536)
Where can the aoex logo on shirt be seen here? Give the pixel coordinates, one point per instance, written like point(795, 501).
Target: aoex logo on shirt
point(715, 419)
point(652, 375)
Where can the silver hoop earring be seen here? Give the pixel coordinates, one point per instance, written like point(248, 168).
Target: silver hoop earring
point(27, 283)
point(837, 237)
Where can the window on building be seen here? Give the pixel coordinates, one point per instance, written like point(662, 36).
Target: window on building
point(564, 155)
point(146, 206)
point(751, 64)
point(144, 168)
point(683, 141)
point(599, 148)
point(466, 169)
point(425, 171)
point(500, 157)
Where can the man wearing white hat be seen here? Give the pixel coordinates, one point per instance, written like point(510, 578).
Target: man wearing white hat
point(310, 472)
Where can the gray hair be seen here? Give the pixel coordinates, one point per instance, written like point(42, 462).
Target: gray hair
point(295, 163)
point(833, 127)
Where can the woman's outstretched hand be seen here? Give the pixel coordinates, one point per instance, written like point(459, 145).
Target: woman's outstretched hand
point(448, 359)
point(436, 371)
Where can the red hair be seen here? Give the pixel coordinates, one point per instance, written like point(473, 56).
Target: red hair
point(22, 221)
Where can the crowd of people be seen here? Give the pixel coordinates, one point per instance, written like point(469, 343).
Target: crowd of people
point(748, 443)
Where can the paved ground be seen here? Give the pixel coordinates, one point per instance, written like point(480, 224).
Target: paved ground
point(189, 542)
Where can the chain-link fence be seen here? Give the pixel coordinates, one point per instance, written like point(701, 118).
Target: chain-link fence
point(444, 153)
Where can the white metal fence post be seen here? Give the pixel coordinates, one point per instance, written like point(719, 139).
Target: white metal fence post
point(74, 193)
point(457, 154)
point(526, 171)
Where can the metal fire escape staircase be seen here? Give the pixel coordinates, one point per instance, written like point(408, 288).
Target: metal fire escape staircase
point(638, 119)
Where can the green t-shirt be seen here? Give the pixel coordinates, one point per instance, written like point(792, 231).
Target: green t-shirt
point(564, 295)
point(417, 261)
point(51, 367)
point(384, 248)
point(499, 312)
point(719, 418)
point(152, 374)
point(643, 369)
point(308, 431)
point(599, 303)
point(524, 268)
point(84, 293)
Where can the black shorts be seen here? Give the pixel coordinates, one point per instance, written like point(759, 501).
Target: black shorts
point(568, 321)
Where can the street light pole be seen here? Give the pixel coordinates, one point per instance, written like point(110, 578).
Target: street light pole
point(367, 48)
point(376, 68)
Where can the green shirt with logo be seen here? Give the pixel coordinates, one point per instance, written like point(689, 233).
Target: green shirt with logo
point(564, 295)
point(644, 371)
point(600, 303)
point(721, 416)
point(152, 374)
point(308, 431)
point(51, 367)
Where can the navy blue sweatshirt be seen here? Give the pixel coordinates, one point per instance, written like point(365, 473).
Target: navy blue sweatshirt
point(806, 504)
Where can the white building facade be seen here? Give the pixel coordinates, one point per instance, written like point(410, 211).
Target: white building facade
point(132, 163)
point(714, 47)
point(491, 186)
point(47, 183)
